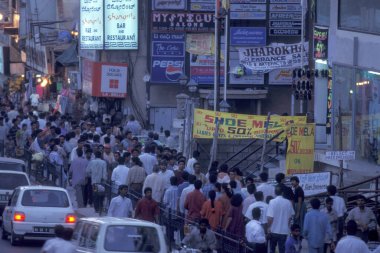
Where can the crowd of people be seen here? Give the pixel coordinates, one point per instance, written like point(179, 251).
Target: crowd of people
point(97, 154)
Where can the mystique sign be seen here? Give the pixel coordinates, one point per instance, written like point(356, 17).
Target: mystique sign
point(182, 22)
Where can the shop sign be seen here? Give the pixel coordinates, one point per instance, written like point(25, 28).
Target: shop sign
point(285, 24)
point(248, 11)
point(321, 43)
point(248, 1)
point(285, 1)
point(109, 25)
point(300, 151)
point(200, 43)
point(240, 74)
point(168, 57)
point(202, 69)
point(281, 77)
point(169, 4)
point(36, 56)
point(182, 22)
point(340, 155)
point(285, 18)
point(202, 5)
point(285, 8)
point(248, 36)
point(275, 56)
point(329, 106)
point(314, 183)
point(101, 79)
point(285, 32)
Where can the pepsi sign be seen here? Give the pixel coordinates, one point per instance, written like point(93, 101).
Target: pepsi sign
point(168, 57)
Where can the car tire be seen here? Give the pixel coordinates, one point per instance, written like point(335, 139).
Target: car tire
point(4, 234)
point(14, 241)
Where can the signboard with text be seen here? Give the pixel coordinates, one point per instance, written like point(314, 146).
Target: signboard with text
point(340, 155)
point(182, 22)
point(285, 18)
point(169, 4)
point(248, 11)
point(202, 5)
point(168, 57)
point(314, 183)
point(109, 25)
point(248, 36)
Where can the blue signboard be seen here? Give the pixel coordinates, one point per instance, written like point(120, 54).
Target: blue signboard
point(168, 57)
point(248, 36)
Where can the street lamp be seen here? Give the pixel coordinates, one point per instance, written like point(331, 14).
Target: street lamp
point(192, 86)
point(224, 106)
point(183, 79)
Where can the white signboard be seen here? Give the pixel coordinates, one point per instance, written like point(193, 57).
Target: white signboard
point(340, 155)
point(314, 183)
point(121, 25)
point(91, 24)
point(114, 81)
point(275, 56)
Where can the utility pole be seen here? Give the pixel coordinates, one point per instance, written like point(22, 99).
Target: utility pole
point(217, 56)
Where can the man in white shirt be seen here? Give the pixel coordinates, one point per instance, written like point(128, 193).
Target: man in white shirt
point(340, 208)
point(47, 247)
point(263, 207)
point(73, 153)
point(254, 232)
point(250, 199)
point(191, 161)
point(148, 159)
point(280, 211)
point(351, 243)
point(265, 187)
point(119, 175)
point(121, 206)
point(165, 174)
point(185, 192)
point(155, 182)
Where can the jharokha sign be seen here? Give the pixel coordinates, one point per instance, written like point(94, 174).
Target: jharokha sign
point(275, 56)
point(240, 126)
point(182, 22)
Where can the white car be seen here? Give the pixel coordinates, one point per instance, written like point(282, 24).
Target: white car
point(34, 211)
point(109, 234)
point(9, 180)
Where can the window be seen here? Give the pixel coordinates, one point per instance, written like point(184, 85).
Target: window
point(45, 198)
point(15, 197)
point(84, 235)
point(9, 181)
point(132, 239)
point(78, 228)
point(360, 15)
point(322, 10)
point(93, 236)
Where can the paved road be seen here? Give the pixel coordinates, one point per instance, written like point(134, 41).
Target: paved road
point(26, 247)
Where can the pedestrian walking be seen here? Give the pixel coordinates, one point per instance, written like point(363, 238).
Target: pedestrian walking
point(212, 210)
point(147, 208)
point(254, 232)
point(136, 176)
point(352, 243)
point(121, 205)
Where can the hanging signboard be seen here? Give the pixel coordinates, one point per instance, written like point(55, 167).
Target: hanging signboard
point(329, 106)
point(300, 151)
point(200, 43)
point(169, 4)
point(275, 56)
point(240, 74)
point(321, 43)
point(314, 183)
point(202, 69)
point(202, 5)
point(101, 79)
point(110, 26)
point(168, 57)
point(182, 22)
point(248, 36)
point(240, 126)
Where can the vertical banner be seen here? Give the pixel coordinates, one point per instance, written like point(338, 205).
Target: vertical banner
point(329, 106)
point(300, 151)
point(321, 43)
point(168, 57)
point(91, 24)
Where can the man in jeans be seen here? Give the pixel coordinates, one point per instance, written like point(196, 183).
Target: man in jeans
point(279, 213)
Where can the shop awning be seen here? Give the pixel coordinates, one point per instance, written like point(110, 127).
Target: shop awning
point(69, 57)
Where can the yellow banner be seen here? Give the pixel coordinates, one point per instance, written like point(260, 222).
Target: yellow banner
point(240, 126)
point(300, 152)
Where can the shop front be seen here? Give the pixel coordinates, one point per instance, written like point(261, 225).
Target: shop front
point(356, 95)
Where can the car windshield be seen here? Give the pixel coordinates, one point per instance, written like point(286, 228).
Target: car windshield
point(126, 238)
point(45, 198)
point(11, 166)
point(9, 181)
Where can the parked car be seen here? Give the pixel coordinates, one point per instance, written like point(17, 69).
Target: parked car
point(109, 234)
point(34, 211)
point(9, 180)
point(13, 164)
